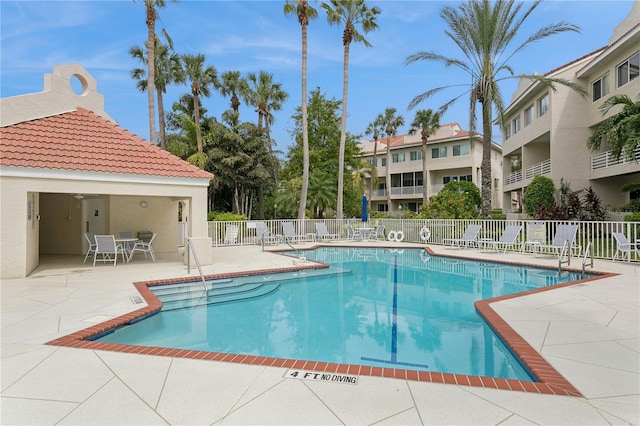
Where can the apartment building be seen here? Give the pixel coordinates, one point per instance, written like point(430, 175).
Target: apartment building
point(452, 154)
point(547, 130)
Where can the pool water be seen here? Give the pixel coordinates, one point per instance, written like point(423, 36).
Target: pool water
point(374, 306)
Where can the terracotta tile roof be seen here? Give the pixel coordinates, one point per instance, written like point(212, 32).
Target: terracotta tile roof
point(400, 140)
point(83, 141)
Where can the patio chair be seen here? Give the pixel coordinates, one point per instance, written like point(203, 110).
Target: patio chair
point(469, 237)
point(107, 248)
point(322, 232)
point(144, 247)
point(127, 245)
point(231, 234)
point(565, 234)
point(354, 233)
point(624, 247)
point(264, 236)
point(377, 233)
point(507, 239)
point(290, 234)
point(92, 245)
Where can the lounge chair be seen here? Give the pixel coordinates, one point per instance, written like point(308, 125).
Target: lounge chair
point(469, 237)
point(289, 233)
point(92, 245)
point(231, 234)
point(565, 234)
point(144, 247)
point(107, 248)
point(507, 239)
point(624, 247)
point(264, 236)
point(323, 234)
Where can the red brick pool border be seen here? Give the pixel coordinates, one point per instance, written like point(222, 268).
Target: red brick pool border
point(550, 381)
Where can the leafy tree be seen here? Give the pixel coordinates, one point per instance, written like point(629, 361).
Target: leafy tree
point(151, 17)
point(429, 122)
point(391, 122)
point(351, 13)
point(304, 12)
point(539, 193)
point(457, 200)
point(375, 129)
point(485, 32)
point(622, 130)
point(202, 78)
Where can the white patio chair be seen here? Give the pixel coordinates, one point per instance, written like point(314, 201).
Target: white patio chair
point(565, 234)
point(377, 233)
point(469, 237)
point(507, 239)
point(107, 248)
point(92, 245)
point(624, 247)
point(127, 245)
point(290, 234)
point(231, 235)
point(263, 235)
point(145, 248)
point(322, 232)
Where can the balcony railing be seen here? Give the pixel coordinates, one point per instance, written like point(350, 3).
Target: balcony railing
point(407, 190)
point(542, 168)
point(607, 159)
point(513, 178)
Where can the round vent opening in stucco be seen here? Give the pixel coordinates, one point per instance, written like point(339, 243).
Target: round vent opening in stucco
point(79, 84)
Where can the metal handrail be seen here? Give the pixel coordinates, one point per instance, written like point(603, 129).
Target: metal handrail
point(566, 247)
point(195, 257)
point(584, 258)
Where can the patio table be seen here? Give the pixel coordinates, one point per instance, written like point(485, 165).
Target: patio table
point(125, 246)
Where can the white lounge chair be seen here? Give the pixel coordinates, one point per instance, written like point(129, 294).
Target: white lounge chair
point(92, 245)
point(107, 248)
point(322, 232)
point(231, 234)
point(565, 235)
point(469, 237)
point(289, 233)
point(624, 247)
point(264, 236)
point(507, 239)
point(145, 248)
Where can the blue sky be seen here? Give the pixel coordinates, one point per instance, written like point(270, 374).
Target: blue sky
point(250, 36)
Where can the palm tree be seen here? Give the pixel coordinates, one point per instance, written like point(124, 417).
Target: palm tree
point(151, 17)
point(375, 128)
point(622, 130)
point(390, 122)
point(304, 13)
point(429, 122)
point(351, 13)
point(231, 84)
point(168, 70)
point(202, 78)
point(485, 32)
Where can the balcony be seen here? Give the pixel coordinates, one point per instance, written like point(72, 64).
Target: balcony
point(399, 192)
point(542, 168)
point(607, 159)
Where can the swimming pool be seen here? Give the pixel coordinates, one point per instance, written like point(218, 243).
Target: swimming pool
point(377, 307)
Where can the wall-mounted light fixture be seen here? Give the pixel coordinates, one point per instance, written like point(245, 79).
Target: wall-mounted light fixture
point(78, 196)
point(143, 204)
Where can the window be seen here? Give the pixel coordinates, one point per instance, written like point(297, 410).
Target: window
point(462, 149)
point(629, 70)
point(396, 181)
point(439, 152)
point(397, 158)
point(463, 178)
point(528, 115)
point(600, 87)
point(543, 105)
point(383, 207)
point(507, 131)
point(515, 124)
point(408, 179)
point(415, 155)
point(384, 161)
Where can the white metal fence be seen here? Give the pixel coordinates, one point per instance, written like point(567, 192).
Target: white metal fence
point(598, 233)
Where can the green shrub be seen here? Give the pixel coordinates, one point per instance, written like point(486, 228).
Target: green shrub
point(498, 214)
point(225, 216)
point(457, 200)
point(632, 217)
point(539, 195)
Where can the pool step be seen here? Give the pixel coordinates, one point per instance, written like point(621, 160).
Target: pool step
point(199, 298)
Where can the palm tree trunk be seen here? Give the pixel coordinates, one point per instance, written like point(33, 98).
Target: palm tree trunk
point(163, 142)
point(343, 135)
point(151, 37)
point(305, 131)
point(486, 160)
point(196, 118)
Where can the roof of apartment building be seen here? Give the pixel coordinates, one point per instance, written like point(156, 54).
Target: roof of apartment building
point(445, 133)
point(81, 140)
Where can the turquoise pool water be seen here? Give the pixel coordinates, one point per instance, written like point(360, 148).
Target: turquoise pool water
point(373, 306)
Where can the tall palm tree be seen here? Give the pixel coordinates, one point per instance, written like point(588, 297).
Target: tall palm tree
point(202, 78)
point(622, 130)
point(151, 17)
point(168, 71)
point(429, 122)
point(486, 31)
point(232, 84)
point(351, 13)
point(305, 13)
point(390, 122)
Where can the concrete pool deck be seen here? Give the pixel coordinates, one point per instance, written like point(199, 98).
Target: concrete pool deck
point(588, 332)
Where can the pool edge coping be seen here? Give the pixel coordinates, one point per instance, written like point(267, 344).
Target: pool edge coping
point(550, 380)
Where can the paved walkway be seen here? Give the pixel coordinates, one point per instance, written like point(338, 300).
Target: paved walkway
point(589, 332)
